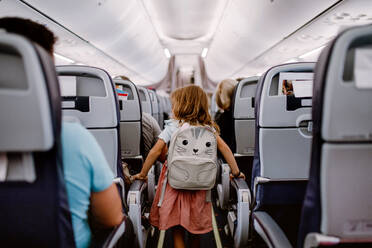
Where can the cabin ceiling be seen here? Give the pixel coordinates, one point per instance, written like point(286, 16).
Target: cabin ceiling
point(243, 37)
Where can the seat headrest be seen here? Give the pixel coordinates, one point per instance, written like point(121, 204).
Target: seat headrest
point(243, 100)
point(129, 101)
point(29, 102)
point(285, 95)
point(145, 100)
point(154, 102)
point(344, 83)
point(88, 94)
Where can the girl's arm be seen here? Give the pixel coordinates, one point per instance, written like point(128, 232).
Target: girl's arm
point(228, 155)
point(153, 155)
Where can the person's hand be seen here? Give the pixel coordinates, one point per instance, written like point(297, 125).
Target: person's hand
point(139, 176)
point(241, 175)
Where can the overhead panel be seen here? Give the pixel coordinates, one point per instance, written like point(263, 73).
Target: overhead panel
point(119, 28)
point(249, 28)
point(307, 43)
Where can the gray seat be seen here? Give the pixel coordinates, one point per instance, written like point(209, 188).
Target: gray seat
point(88, 94)
point(243, 114)
point(214, 107)
point(282, 152)
point(33, 209)
point(155, 105)
point(145, 100)
point(130, 120)
point(161, 111)
point(337, 207)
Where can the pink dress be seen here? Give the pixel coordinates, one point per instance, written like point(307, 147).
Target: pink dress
point(187, 208)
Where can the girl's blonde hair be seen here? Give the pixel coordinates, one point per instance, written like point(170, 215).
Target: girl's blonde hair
point(190, 104)
point(224, 93)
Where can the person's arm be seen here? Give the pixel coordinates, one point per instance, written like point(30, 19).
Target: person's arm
point(154, 153)
point(106, 207)
point(163, 155)
point(229, 157)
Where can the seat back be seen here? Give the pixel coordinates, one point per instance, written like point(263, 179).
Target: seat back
point(89, 95)
point(130, 119)
point(338, 199)
point(145, 100)
point(34, 209)
point(243, 114)
point(161, 111)
point(214, 108)
point(155, 105)
point(283, 140)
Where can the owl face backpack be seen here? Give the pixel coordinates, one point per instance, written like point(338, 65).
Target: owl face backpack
point(192, 159)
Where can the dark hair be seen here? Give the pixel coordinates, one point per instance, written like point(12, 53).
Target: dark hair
point(35, 32)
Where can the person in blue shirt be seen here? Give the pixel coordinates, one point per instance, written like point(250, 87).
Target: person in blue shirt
point(87, 174)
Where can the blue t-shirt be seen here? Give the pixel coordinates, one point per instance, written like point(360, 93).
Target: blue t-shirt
point(86, 170)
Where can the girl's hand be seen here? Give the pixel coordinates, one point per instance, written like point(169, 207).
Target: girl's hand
point(139, 176)
point(241, 175)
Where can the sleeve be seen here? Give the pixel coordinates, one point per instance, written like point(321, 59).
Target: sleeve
point(101, 174)
point(169, 129)
point(156, 128)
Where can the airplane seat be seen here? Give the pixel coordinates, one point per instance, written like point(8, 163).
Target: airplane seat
point(34, 209)
point(130, 124)
point(337, 205)
point(243, 114)
point(161, 111)
point(89, 97)
point(145, 100)
point(214, 107)
point(282, 152)
point(154, 105)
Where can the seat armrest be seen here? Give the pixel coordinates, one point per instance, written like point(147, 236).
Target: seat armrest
point(270, 232)
point(135, 201)
point(122, 233)
point(317, 239)
point(223, 189)
point(120, 182)
point(239, 183)
point(241, 232)
point(138, 185)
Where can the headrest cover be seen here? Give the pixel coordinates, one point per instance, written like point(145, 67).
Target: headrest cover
point(25, 109)
point(88, 94)
point(244, 98)
point(347, 94)
point(279, 107)
point(129, 102)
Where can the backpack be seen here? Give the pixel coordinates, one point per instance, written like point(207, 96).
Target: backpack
point(192, 159)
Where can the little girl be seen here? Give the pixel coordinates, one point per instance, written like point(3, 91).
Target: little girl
point(184, 208)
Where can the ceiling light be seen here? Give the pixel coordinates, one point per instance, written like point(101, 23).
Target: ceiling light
point(316, 50)
point(59, 56)
point(167, 53)
point(204, 52)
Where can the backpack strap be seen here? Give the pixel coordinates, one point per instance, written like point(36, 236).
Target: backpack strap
point(163, 189)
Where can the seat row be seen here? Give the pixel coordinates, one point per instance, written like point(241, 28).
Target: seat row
point(310, 183)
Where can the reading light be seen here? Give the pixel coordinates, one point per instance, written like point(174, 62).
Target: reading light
point(64, 58)
point(312, 52)
point(204, 52)
point(167, 53)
